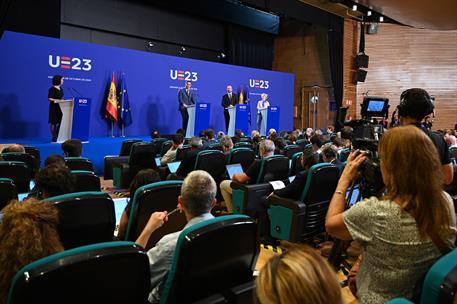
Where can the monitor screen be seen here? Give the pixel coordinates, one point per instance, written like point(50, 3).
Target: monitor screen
point(375, 105)
point(173, 167)
point(158, 161)
point(234, 169)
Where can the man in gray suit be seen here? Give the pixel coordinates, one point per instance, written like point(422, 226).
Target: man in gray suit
point(186, 98)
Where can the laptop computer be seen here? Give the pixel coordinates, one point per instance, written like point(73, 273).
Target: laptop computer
point(234, 169)
point(173, 167)
point(158, 161)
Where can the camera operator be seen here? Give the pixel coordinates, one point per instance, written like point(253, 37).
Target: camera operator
point(415, 105)
point(403, 233)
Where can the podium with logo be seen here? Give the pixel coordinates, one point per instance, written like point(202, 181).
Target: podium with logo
point(199, 116)
point(239, 119)
point(270, 119)
point(75, 119)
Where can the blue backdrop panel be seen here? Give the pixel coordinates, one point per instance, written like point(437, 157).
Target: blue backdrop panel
point(28, 63)
point(202, 117)
point(273, 118)
point(81, 118)
point(242, 118)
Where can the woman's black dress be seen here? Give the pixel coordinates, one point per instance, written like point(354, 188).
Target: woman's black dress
point(55, 113)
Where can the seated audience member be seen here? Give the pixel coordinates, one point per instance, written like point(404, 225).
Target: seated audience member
point(55, 159)
point(72, 148)
point(451, 141)
point(209, 135)
point(266, 148)
point(299, 275)
point(255, 141)
point(226, 143)
point(188, 163)
point(28, 232)
point(317, 141)
point(293, 138)
point(403, 233)
point(181, 131)
point(14, 148)
point(143, 177)
point(346, 136)
point(238, 135)
point(198, 196)
point(329, 155)
point(51, 160)
point(330, 129)
point(155, 134)
point(309, 133)
point(220, 134)
point(338, 143)
point(255, 133)
point(54, 180)
point(170, 155)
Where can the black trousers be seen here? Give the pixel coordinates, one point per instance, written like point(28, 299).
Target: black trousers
point(185, 118)
point(227, 119)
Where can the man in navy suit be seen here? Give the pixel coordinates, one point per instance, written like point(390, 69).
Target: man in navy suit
point(186, 98)
point(229, 99)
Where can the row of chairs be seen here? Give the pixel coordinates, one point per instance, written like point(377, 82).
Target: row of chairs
point(219, 254)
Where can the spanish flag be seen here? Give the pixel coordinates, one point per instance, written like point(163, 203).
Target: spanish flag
point(111, 103)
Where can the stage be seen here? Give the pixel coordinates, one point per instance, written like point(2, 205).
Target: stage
point(95, 149)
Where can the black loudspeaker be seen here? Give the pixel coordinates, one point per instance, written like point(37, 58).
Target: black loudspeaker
point(360, 75)
point(372, 28)
point(361, 61)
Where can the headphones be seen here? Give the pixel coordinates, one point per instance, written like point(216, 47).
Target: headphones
point(415, 103)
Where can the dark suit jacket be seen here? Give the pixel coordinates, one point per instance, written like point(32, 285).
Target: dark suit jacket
point(337, 163)
point(185, 99)
point(295, 188)
point(226, 102)
point(187, 164)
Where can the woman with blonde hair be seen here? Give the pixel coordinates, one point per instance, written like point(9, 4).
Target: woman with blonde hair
point(403, 233)
point(299, 275)
point(28, 232)
point(262, 104)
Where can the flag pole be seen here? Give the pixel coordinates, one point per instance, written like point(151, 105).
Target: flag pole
point(122, 128)
point(112, 128)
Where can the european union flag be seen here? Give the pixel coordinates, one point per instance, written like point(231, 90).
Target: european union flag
point(125, 115)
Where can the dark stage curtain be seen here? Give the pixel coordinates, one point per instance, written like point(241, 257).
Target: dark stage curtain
point(335, 44)
point(249, 48)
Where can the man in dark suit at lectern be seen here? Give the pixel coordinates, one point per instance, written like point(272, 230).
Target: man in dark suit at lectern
point(186, 98)
point(229, 99)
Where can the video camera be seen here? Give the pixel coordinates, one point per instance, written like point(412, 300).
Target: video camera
point(365, 137)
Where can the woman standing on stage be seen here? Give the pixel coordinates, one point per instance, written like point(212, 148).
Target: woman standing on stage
point(261, 105)
point(55, 94)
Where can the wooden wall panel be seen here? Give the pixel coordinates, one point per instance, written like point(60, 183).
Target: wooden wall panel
point(402, 57)
point(302, 49)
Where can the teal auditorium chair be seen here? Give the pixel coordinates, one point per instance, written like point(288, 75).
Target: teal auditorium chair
point(122, 158)
point(242, 144)
point(142, 156)
point(18, 172)
point(295, 164)
point(343, 155)
point(302, 143)
point(113, 272)
point(297, 221)
point(214, 257)
point(291, 150)
point(244, 156)
point(86, 181)
point(8, 191)
point(158, 142)
point(160, 196)
point(36, 154)
point(215, 146)
point(181, 152)
point(440, 283)
point(79, 163)
point(27, 159)
point(84, 218)
point(272, 168)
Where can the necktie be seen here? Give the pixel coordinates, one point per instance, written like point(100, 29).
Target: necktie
point(187, 92)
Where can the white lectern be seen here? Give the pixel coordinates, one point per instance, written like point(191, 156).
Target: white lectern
point(66, 124)
point(191, 121)
point(231, 127)
point(263, 123)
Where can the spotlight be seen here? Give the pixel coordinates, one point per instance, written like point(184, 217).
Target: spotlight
point(222, 55)
point(369, 13)
point(354, 7)
point(183, 49)
point(381, 19)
